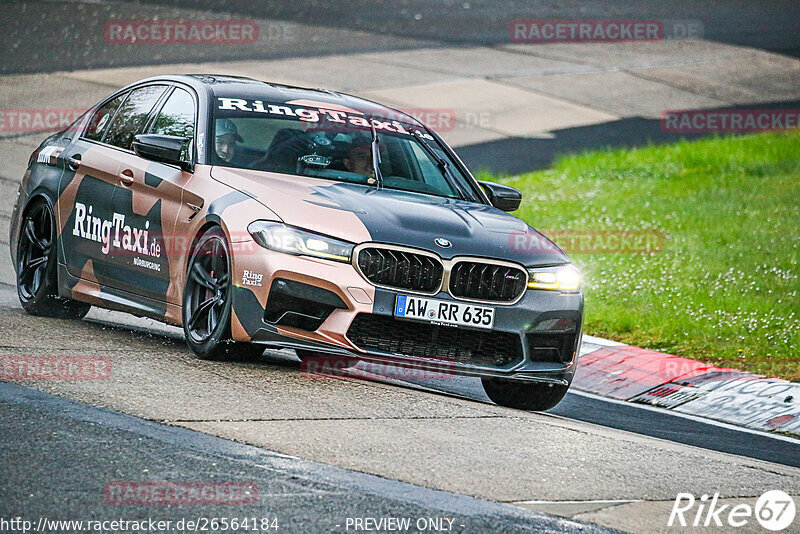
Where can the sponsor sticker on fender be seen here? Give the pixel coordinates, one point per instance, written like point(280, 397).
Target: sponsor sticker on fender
point(249, 278)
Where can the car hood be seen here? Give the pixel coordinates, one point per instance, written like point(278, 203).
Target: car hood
point(360, 213)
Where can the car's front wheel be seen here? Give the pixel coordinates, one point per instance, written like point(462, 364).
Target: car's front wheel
point(37, 280)
point(207, 299)
point(523, 395)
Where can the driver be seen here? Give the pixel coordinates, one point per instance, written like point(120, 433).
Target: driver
point(359, 160)
point(225, 138)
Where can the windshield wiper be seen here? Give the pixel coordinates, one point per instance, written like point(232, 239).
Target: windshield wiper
point(444, 168)
point(376, 157)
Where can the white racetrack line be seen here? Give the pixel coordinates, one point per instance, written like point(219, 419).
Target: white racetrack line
point(612, 501)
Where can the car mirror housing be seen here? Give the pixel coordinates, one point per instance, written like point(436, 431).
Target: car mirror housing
point(501, 196)
point(162, 148)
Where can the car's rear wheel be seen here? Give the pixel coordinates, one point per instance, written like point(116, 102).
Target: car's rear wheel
point(207, 299)
point(37, 279)
point(523, 395)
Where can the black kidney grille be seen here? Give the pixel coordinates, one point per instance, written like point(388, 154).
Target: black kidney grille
point(482, 281)
point(416, 339)
point(401, 270)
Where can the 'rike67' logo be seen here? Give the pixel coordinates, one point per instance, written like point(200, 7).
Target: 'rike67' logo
point(774, 510)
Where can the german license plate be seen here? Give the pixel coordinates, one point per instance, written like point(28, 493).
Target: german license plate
point(444, 312)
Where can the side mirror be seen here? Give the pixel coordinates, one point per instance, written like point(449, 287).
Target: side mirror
point(163, 148)
point(501, 196)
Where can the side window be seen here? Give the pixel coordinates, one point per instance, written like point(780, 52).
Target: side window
point(132, 115)
point(177, 118)
point(99, 121)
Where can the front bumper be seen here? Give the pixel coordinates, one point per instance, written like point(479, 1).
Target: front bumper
point(354, 318)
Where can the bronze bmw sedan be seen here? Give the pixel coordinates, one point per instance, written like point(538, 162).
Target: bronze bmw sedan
point(258, 215)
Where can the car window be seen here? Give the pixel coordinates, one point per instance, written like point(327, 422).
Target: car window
point(429, 169)
point(132, 115)
point(99, 121)
point(289, 139)
point(177, 117)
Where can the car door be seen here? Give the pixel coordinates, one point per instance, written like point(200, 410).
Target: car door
point(85, 191)
point(150, 201)
point(91, 229)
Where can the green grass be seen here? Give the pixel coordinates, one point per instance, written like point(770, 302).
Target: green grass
point(724, 287)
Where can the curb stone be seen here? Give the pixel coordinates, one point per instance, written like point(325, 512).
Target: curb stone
point(643, 376)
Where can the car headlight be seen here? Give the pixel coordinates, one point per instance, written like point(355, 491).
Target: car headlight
point(279, 237)
point(566, 278)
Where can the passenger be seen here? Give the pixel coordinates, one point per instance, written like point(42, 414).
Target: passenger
point(225, 138)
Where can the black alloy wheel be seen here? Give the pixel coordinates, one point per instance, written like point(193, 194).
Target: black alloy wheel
point(207, 301)
point(37, 279)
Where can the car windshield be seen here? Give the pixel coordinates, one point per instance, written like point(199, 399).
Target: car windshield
point(334, 144)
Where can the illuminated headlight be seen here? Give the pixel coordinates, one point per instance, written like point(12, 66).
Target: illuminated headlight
point(279, 237)
point(566, 278)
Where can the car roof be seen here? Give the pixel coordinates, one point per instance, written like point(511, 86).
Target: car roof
point(227, 86)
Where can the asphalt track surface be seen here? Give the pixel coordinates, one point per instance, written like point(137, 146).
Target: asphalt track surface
point(768, 25)
point(63, 452)
point(52, 35)
point(46, 36)
point(577, 405)
point(65, 448)
point(648, 421)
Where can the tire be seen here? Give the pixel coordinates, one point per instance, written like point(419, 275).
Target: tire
point(37, 279)
point(522, 395)
point(322, 363)
point(207, 300)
